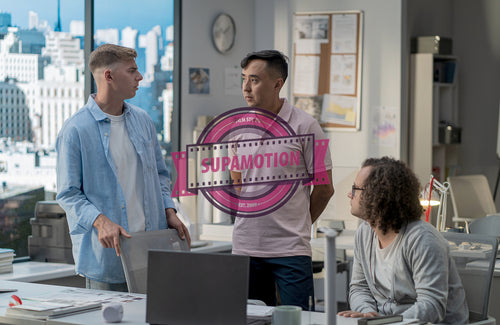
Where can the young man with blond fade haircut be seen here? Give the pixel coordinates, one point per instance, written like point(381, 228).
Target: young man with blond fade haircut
point(111, 176)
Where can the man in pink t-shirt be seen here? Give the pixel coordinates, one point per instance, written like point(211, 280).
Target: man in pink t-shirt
point(279, 242)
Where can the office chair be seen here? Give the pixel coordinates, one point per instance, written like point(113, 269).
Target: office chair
point(489, 225)
point(471, 198)
point(134, 254)
point(474, 257)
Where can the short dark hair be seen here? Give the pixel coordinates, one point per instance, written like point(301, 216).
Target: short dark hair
point(390, 198)
point(107, 54)
point(276, 61)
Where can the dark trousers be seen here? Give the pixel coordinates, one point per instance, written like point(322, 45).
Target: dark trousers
point(289, 277)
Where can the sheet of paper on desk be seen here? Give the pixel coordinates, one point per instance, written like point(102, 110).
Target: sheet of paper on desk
point(44, 309)
point(79, 294)
point(259, 312)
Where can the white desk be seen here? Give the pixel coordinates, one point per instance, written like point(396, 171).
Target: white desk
point(345, 240)
point(214, 247)
point(38, 271)
point(134, 312)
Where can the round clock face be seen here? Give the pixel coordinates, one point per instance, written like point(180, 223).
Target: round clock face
point(223, 33)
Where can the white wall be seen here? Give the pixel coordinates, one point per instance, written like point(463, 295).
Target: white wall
point(198, 51)
point(268, 23)
point(264, 23)
point(381, 74)
point(381, 86)
point(477, 44)
point(388, 28)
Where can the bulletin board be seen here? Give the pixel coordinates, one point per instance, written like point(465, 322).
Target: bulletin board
point(327, 53)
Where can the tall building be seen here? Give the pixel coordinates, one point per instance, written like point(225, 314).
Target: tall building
point(167, 60)
point(153, 43)
point(5, 19)
point(110, 35)
point(15, 123)
point(167, 97)
point(52, 101)
point(22, 67)
point(32, 20)
point(63, 49)
point(57, 25)
point(77, 28)
point(129, 37)
point(30, 41)
point(14, 64)
point(169, 33)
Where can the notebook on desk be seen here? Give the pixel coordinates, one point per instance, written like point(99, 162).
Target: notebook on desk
point(195, 288)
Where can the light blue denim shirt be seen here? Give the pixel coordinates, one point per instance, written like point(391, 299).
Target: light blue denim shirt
point(87, 184)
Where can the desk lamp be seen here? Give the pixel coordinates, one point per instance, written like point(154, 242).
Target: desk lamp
point(430, 199)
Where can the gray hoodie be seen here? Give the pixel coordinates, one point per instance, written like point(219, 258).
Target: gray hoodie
point(425, 282)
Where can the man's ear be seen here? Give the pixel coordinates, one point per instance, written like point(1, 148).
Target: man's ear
point(278, 84)
point(107, 75)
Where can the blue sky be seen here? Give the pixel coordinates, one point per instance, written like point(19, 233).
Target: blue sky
point(139, 14)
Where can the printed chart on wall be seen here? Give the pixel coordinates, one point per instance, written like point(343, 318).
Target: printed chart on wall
point(327, 67)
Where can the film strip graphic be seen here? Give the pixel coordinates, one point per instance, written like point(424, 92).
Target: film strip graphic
point(271, 158)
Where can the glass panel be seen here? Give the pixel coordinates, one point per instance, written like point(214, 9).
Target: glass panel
point(41, 60)
point(146, 26)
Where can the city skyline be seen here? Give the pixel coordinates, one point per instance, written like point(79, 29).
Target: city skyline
point(152, 13)
point(42, 84)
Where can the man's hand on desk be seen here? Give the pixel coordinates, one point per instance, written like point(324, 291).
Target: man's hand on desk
point(109, 233)
point(356, 314)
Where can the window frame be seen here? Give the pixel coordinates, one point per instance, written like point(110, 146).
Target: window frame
point(89, 85)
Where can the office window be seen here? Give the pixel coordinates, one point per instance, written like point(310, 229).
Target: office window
point(146, 26)
point(42, 84)
point(42, 53)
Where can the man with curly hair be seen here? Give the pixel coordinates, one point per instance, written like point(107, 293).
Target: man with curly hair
point(402, 265)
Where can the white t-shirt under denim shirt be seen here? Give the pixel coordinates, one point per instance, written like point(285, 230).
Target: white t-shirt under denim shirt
point(129, 172)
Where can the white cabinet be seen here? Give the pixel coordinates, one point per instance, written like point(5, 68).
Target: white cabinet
point(433, 107)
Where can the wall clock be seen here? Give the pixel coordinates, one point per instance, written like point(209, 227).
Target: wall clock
point(223, 33)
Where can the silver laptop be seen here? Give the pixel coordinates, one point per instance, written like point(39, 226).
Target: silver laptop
point(187, 288)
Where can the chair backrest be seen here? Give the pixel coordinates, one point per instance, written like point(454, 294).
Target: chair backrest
point(474, 257)
point(471, 196)
point(135, 254)
point(489, 225)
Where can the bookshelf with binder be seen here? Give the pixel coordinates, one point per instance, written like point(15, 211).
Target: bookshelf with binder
point(433, 118)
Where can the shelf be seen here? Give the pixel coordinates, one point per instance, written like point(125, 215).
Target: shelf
point(432, 101)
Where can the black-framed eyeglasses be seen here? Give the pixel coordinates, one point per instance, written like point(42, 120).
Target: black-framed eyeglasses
point(354, 188)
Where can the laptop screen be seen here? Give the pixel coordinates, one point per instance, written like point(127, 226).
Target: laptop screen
point(195, 288)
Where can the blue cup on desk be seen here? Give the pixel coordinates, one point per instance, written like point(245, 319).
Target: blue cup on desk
point(287, 315)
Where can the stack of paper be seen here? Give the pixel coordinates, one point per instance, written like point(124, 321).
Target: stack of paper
point(217, 232)
point(45, 309)
point(257, 314)
point(6, 258)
